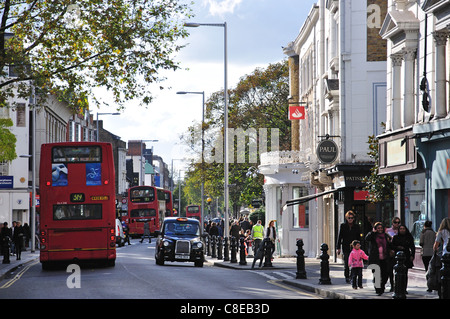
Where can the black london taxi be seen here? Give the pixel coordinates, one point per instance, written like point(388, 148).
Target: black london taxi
point(180, 240)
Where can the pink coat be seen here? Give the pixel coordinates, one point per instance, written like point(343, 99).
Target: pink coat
point(356, 258)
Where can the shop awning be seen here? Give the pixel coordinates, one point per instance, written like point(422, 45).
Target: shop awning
point(304, 199)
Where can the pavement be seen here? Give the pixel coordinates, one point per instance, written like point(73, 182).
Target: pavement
point(338, 289)
point(26, 258)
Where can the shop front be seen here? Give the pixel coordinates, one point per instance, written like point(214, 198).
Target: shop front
point(433, 145)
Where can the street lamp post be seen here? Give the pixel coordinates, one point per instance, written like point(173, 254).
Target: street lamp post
point(97, 121)
point(33, 187)
point(142, 171)
point(171, 172)
point(203, 148)
point(225, 124)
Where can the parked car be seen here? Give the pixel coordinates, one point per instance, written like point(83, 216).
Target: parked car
point(120, 236)
point(180, 240)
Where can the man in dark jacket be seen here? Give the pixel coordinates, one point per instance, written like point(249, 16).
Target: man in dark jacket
point(348, 232)
point(235, 231)
point(5, 240)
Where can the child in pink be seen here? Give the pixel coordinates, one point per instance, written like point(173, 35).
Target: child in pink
point(355, 262)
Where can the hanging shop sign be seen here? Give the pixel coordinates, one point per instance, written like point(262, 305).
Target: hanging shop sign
point(327, 151)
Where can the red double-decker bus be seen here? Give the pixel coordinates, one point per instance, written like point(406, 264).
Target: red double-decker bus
point(77, 198)
point(147, 204)
point(169, 203)
point(194, 211)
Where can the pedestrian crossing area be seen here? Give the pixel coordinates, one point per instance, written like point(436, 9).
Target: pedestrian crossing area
point(275, 275)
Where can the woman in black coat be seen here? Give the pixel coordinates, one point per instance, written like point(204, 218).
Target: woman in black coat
point(379, 253)
point(404, 242)
point(348, 232)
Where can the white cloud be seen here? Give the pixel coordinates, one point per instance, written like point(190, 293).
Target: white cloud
point(219, 8)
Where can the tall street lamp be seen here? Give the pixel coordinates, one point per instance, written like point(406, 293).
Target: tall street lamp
point(117, 113)
point(142, 171)
point(33, 186)
point(225, 122)
point(203, 149)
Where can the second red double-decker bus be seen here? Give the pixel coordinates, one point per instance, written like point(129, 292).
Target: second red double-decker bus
point(194, 211)
point(77, 198)
point(147, 204)
point(169, 203)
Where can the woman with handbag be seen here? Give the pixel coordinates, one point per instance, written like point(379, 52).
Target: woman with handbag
point(379, 253)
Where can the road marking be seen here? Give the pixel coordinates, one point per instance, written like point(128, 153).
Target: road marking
point(18, 275)
point(303, 293)
point(264, 275)
point(282, 274)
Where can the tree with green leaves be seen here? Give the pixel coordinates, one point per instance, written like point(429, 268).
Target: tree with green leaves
point(67, 48)
point(7, 141)
point(259, 100)
point(380, 187)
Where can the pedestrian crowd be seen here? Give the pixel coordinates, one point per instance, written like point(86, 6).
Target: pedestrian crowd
point(14, 239)
point(382, 245)
point(253, 234)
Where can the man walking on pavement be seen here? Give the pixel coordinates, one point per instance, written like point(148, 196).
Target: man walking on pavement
point(257, 235)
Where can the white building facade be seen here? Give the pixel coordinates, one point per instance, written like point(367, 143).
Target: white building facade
point(338, 74)
point(416, 144)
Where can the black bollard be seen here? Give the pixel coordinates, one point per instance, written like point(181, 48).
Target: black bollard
point(213, 246)
point(301, 272)
point(233, 250)
point(445, 273)
point(401, 276)
point(5, 249)
point(242, 260)
point(226, 250)
point(259, 254)
point(205, 242)
point(324, 266)
point(208, 245)
point(219, 248)
point(268, 252)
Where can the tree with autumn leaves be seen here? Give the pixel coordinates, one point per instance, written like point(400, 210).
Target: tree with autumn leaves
point(259, 100)
point(67, 48)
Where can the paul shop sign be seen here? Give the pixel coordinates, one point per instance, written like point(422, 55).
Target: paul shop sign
point(327, 151)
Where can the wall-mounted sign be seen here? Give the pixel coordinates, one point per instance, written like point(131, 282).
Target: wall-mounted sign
point(327, 151)
point(296, 113)
point(6, 182)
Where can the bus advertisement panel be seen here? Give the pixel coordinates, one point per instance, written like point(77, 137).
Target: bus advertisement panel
point(77, 192)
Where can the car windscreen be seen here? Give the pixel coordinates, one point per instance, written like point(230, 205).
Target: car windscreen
point(181, 228)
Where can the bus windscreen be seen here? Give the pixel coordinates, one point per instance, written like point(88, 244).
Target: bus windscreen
point(77, 212)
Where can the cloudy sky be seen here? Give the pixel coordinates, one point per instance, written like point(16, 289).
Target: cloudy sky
point(257, 30)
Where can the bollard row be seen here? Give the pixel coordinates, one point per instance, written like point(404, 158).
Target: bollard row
point(219, 248)
point(227, 249)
